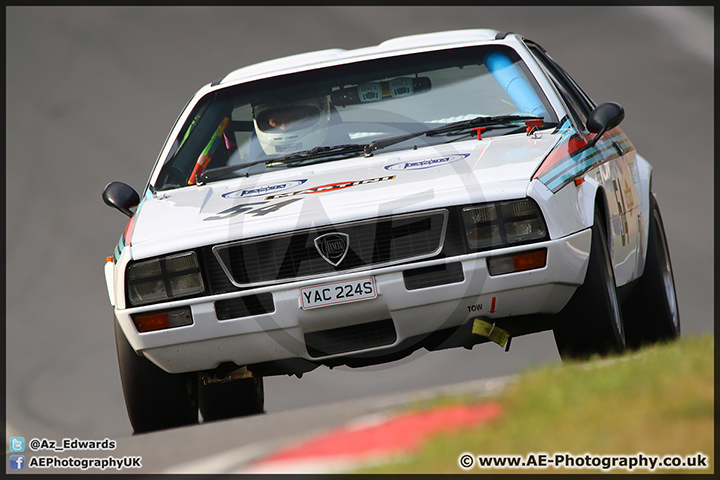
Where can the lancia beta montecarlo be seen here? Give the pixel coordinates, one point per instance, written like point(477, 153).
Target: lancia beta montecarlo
point(350, 207)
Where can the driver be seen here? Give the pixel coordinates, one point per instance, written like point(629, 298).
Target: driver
point(290, 127)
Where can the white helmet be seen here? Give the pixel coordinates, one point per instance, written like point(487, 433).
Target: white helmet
point(290, 127)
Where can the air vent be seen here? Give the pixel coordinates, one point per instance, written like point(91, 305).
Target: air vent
point(350, 339)
point(246, 306)
point(433, 276)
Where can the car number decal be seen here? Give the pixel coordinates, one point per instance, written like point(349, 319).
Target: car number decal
point(256, 209)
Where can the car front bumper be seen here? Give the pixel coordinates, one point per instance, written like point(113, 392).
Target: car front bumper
point(282, 333)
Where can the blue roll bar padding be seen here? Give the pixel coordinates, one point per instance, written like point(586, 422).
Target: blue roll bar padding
point(511, 80)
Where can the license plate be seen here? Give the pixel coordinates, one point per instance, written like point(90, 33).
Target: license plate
point(338, 292)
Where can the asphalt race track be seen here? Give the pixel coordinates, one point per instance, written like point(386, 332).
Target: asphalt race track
point(92, 93)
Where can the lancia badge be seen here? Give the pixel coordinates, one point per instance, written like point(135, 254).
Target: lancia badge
point(333, 247)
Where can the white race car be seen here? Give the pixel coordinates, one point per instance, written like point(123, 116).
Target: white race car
point(350, 207)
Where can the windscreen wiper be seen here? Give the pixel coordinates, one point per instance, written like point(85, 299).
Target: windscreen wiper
point(367, 148)
point(500, 120)
point(317, 152)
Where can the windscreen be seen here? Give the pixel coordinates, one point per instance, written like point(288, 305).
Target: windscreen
point(241, 130)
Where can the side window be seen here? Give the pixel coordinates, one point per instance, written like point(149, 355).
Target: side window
point(577, 101)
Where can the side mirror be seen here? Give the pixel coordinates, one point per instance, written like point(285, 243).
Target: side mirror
point(605, 117)
point(121, 196)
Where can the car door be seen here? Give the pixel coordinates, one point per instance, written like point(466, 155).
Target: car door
point(615, 169)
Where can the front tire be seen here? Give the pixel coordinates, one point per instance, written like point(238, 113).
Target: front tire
point(651, 313)
point(591, 323)
point(155, 399)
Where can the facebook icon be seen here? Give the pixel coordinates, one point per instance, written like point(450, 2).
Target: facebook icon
point(17, 462)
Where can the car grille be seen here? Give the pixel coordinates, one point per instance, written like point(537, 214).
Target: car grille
point(295, 256)
point(350, 339)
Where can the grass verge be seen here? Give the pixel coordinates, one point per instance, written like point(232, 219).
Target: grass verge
point(658, 401)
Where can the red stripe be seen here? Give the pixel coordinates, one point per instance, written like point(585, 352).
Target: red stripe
point(329, 187)
point(560, 153)
point(129, 230)
point(399, 434)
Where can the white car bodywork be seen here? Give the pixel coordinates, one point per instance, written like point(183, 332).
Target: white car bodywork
point(388, 183)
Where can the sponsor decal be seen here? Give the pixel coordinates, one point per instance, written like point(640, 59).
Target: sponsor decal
point(430, 163)
point(331, 187)
point(287, 148)
point(264, 190)
point(370, 92)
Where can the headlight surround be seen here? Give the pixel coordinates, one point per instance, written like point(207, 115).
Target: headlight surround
point(164, 278)
point(503, 224)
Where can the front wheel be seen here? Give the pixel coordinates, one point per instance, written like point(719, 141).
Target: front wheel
point(592, 323)
point(154, 399)
point(651, 313)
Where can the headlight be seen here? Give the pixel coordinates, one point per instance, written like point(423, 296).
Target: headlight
point(164, 278)
point(503, 224)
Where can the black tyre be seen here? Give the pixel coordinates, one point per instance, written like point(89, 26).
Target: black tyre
point(651, 313)
point(236, 398)
point(155, 399)
point(591, 323)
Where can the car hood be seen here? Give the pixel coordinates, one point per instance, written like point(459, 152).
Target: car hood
point(338, 191)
